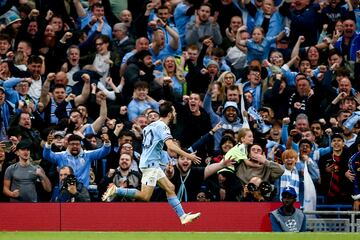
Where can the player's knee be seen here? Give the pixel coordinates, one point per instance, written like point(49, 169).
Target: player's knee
point(170, 189)
point(144, 197)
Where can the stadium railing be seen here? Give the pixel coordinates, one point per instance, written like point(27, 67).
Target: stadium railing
point(327, 221)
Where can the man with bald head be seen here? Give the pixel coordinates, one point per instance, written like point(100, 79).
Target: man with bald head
point(142, 43)
point(126, 17)
point(26, 48)
point(62, 79)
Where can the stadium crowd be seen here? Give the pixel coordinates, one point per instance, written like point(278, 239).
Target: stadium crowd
point(271, 85)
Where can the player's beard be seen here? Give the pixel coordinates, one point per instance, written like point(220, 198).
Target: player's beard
point(173, 119)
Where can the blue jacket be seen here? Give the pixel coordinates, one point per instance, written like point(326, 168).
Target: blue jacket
point(215, 119)
point(354, 46)
point(11, 94)
point(80, 163)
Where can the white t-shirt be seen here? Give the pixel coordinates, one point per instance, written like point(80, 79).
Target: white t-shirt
point(35, 90)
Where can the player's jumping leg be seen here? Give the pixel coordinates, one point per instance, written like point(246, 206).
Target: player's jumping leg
point(112, 191)
point(169, 188)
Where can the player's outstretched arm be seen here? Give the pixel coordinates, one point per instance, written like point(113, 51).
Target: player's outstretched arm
point(172, 146)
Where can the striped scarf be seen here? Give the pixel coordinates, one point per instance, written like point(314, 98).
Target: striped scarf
point(290, 178)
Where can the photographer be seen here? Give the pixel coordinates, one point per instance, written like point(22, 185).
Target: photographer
point(70, 190)
point(258, 191)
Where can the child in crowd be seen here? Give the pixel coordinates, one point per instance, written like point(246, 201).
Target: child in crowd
point(259, 45)
point(141, 101)
point(239, 152)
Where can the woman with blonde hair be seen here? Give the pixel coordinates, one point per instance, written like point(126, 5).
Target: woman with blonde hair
point(227, 78)
point(174, 75)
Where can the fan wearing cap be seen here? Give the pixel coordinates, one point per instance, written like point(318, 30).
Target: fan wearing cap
point(13, 22)
point(58, 145)
point(230, 118)
point(335, 185)
point(287, 218)
point(213, 69)
point(17, 91)
point(21, 177)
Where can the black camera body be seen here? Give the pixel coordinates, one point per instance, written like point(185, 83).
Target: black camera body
point(252, 187)
point(68, 181)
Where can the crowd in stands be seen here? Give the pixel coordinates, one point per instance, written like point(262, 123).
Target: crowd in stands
point(272, 85)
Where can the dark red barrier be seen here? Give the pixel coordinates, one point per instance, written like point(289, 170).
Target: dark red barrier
point(134, 217)
point(29, 217)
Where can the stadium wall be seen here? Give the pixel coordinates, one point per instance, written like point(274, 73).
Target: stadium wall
point(215, 217)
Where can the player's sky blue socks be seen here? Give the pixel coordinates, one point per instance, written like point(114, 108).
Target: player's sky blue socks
point(126, 192)
point(176, 205)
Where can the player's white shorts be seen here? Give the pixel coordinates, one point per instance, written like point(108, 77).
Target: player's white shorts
point(150, 176)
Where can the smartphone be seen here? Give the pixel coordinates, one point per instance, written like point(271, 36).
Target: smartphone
point(8, 145)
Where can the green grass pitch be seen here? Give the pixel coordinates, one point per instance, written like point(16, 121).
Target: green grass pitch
point(173, 236)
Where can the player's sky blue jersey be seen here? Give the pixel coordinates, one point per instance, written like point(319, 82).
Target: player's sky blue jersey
point(155, 135)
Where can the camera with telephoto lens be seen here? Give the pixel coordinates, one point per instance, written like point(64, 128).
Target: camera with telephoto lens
point(68, 181)
point(265, 189)
point(252, 187)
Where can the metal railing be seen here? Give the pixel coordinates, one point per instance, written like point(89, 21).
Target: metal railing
point(332, 224)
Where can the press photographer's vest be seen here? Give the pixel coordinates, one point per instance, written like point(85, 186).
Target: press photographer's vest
point(291, 223)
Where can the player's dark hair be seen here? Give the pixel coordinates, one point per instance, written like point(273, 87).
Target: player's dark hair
point(165, 108)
